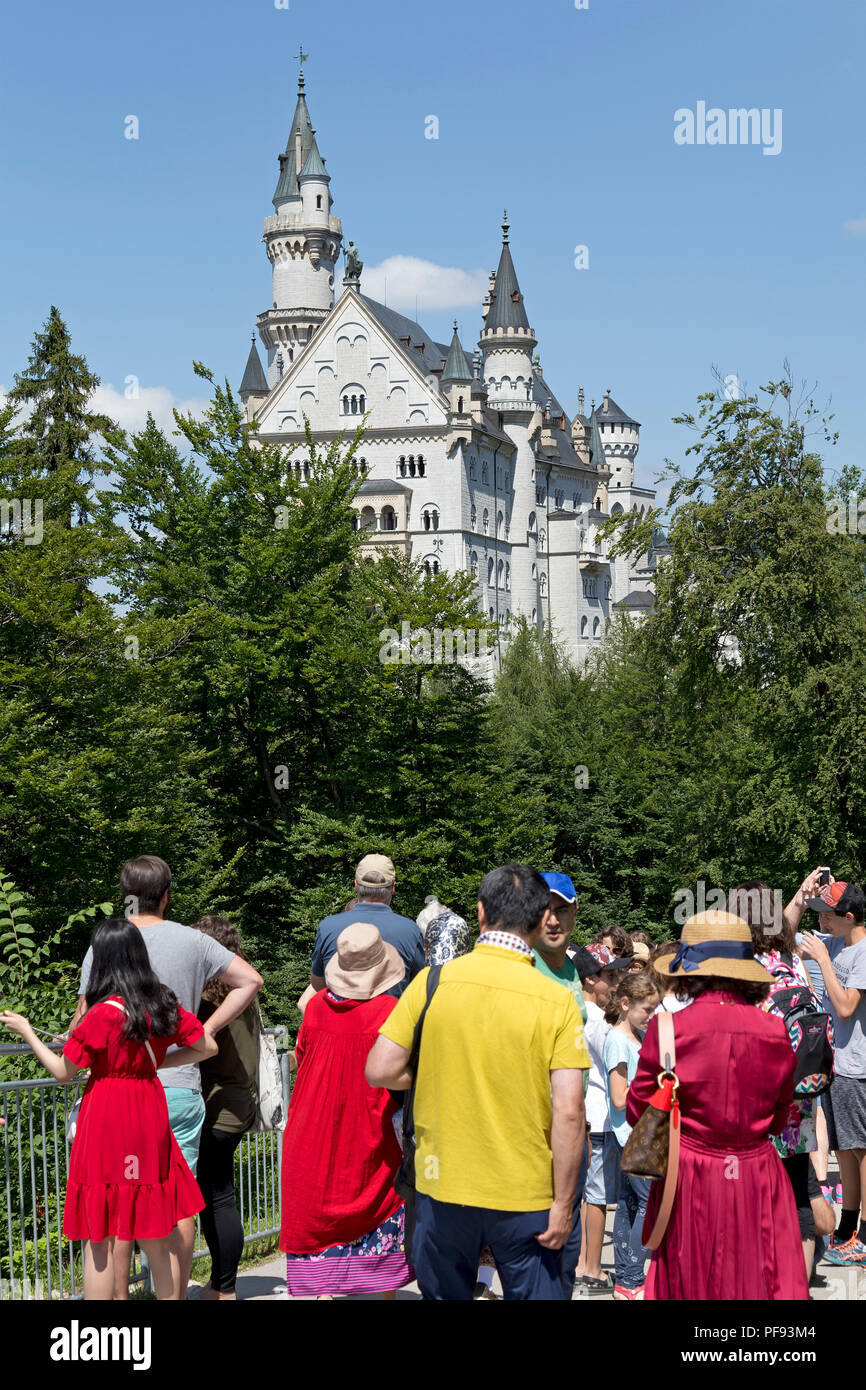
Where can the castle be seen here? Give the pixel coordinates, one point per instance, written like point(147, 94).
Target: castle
point(469, 462)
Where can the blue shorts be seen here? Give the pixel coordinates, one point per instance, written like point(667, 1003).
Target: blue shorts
point(186, 1117)
point(602, 1180)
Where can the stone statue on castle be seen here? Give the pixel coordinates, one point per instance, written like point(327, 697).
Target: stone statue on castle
point(354, 265)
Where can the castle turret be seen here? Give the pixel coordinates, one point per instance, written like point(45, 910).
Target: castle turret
point(303, 243)
point(456, 380)
point(507, 341)
point(254, 386)
point(620, 435)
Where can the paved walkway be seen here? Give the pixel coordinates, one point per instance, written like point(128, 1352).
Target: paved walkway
point(267, 1281)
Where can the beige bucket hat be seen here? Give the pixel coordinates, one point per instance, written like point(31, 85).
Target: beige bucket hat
point(714, 943)
point(364, 964)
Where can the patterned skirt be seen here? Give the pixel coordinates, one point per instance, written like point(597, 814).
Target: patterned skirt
point(376, 1263)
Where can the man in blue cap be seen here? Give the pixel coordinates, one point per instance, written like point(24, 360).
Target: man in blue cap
point(552, 959)
point(551, 948)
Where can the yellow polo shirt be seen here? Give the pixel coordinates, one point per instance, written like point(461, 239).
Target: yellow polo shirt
point(495, 1030)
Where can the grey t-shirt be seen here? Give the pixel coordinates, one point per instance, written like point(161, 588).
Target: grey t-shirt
point(849, 963)
point(184, 960)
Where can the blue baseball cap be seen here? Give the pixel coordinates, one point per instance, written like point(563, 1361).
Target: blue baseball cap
point(562, 886)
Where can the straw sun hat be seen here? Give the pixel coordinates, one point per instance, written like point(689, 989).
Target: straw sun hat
point(364, 964)
point(714, 943)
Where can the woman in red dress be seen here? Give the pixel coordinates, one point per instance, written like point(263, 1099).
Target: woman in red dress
point(733, 1231)
point(342, 1222)
point(127, 1177)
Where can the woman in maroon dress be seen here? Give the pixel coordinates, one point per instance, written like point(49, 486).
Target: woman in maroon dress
point(733, 1231)
point(128, 1179)
point(342, 1222)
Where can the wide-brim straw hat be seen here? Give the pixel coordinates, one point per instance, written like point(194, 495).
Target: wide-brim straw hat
point(364, 965)
point(734, 959)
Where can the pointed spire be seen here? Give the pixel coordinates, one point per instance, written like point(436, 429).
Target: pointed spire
point(596, 448)
point(255, 381)
point(315, 165)
point(300, 143)
point(506, 310)
point(455, 365)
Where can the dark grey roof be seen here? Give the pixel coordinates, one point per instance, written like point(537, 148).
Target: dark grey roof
point(382, 485)
point(287, 183)
point(614, 415)
point(254, 375)
point(432, 359)
point(507, 310)
point(597, 457)
point(635, 600)
point(547, 395)
point(315, 165)
point(457, 367)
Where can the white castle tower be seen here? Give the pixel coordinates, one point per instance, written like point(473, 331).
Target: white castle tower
point(303, 243)
point(507, 344)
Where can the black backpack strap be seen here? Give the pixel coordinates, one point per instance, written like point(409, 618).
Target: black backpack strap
point(412, 1065)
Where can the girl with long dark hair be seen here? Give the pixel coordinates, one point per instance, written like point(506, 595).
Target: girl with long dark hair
point(127, 1177)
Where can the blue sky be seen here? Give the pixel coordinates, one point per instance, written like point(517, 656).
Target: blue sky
point(698, 255)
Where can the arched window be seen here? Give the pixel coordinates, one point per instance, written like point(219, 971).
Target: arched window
point(534, 573)
point(542, 583)
point(363, 404)
point(490, 572)
point(421, 465)
point(583, 626)
point(473, 564)
point(459, 405)
point(368, 519)
point(596, 627)
point(435, 566)
point(598, 504)
point(473, 517)
point(499, 520)
point(427, 568)
point(532, 524)
point(354, 405)
point(491, 613)
point(542, 537)
point(355, 522)
point(411, 465)
point(534, 615)
point(507, 575)
point(306, 468)
point(345, 405)
point(484, 472)
point(318, 200)
point(485, 520)
point(500, 568)
point(472, 470)
point(402, 466)
point(389, 519)
point(425, 517)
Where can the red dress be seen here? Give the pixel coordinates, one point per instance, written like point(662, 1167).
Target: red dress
point(340, 1149)
point(733, 1232)
point(127, 1175)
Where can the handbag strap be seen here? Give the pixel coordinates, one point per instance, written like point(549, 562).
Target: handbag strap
point(668, 1056)
point(114, 1004)
point(412, 1065)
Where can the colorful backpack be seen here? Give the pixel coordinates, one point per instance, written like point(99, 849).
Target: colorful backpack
point(809, 1028)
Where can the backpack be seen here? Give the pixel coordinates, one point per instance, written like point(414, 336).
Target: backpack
point(810, 1030)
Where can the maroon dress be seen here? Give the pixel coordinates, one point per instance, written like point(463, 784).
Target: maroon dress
point(733, 1232)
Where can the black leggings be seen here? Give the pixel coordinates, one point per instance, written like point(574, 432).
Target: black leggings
point(798, 1167)
point(220, 1221)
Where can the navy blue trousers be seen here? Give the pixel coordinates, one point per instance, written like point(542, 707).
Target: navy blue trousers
point(449, 1238)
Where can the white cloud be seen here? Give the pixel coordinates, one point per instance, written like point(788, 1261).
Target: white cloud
point(855, 225)
point(399, 280)
point(130, 411)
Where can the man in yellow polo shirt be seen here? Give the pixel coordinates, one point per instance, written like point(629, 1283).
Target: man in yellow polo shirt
point(499, 1111)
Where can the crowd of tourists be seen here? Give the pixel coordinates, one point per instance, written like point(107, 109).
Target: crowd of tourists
point(472, 1108)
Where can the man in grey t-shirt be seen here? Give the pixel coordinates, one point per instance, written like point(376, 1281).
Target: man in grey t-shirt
point(183, 960)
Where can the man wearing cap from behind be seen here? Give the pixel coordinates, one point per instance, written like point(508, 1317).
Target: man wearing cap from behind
point(841, 955)
point(375, 880)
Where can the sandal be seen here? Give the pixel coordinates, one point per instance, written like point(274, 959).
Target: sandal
point(586, 1286)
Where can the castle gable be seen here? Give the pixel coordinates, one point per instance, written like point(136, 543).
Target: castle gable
point(352, 365)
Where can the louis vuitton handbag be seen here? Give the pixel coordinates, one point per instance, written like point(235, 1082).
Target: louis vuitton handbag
point(652, 1149)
